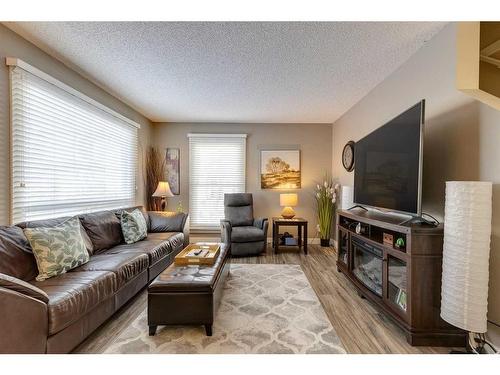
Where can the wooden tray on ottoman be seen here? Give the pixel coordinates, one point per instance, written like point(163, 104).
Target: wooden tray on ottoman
point(213, 252)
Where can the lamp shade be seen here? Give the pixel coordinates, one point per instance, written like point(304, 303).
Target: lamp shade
point(288, 200)
point(466, 251)
point(163, 190)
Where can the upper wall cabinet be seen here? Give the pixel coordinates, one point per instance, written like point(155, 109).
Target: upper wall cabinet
point(478, 61)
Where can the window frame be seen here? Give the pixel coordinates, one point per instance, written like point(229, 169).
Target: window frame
point(14, 63)
point(216, 228)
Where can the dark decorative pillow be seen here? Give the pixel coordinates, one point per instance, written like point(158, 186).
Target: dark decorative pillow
point(16, 257)
point(103, 228)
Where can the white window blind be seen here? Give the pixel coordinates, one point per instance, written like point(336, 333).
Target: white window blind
point(68, 156)
point(216, 166)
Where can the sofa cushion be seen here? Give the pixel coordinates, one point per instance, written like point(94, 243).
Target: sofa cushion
point(47, 223)
point(247, 234)
point(238, 199)
point(134, 227)
point(126, 266)
point(176, 240)
point(239, 216)
point(57, 249)
point(16, 258)
point(163, 221)
point(157, 246)
point(238, 209)
point(74, 294)
point(103, 229)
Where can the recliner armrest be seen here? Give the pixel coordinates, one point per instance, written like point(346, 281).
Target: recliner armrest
point(260, 222)
point(225, 231)
point(185, 230)
point(20, 286)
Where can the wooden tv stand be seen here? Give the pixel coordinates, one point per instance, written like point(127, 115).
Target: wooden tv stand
point(404, 282)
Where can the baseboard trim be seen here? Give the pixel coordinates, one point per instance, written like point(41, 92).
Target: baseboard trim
point(207, 238)
point(203, 238)
point(310, 241)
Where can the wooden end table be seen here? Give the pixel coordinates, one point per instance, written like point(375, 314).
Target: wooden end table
point(298, 222)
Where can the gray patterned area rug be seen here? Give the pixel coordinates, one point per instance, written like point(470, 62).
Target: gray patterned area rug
point(265, 308)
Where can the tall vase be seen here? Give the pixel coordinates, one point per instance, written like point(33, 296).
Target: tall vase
point(324, 242)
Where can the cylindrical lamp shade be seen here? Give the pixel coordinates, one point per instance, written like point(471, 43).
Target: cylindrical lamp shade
point(346, 199)
point(288, 200)
point(466, 251)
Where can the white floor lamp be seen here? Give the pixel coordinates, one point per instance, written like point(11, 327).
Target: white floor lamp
point(466, 251)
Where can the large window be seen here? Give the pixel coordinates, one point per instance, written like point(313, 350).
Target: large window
point(68, 155)
point(216, 166)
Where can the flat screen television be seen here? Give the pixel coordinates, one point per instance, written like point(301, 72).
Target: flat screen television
point(388, 164)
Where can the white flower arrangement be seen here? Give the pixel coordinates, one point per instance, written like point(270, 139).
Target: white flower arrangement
point(326, 198)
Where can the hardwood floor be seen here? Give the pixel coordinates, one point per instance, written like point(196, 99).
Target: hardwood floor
point(360, 326)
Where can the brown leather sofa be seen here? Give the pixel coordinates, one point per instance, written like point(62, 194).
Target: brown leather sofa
point(55, 315)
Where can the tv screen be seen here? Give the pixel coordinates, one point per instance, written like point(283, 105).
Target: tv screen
point(388, 167)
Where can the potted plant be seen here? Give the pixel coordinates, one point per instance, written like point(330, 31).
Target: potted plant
point(326, 198)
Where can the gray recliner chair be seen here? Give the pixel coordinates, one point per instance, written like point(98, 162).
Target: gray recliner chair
point(247, 236)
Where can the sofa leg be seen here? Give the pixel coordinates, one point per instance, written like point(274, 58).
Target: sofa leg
point(208, 329)
point(152, 330)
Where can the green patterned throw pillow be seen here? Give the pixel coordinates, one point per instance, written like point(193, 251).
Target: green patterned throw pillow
point(57, 249)
point(134, 226)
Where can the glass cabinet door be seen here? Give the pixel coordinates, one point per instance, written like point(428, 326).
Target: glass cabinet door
point(343, 246)
point(397, 292)
point(367, 265)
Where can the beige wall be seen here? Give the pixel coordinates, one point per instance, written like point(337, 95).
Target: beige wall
point(12, 45)
point(489, 74)
point(461, 135)
point(314, 141)
point(489, 170)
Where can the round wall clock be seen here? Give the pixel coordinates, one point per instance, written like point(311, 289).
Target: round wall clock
point(348, 156)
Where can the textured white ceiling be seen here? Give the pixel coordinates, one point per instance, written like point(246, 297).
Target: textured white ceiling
point(233, 72)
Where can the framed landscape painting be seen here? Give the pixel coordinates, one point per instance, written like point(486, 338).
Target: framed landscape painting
point(280, 169)
point(172, 159)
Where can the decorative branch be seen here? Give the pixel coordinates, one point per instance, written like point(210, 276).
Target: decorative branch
point(155, 172)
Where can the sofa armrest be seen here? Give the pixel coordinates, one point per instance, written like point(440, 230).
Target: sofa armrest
point(225, 231)
point(24, 323)
point(260, 222)
point(167, 221)
point(20, 286)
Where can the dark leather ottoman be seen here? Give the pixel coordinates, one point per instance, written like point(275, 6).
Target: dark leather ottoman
point(187, 294)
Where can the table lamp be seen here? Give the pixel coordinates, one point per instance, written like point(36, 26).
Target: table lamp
point(163, 191)
point(466, 251)
point(288, 201)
